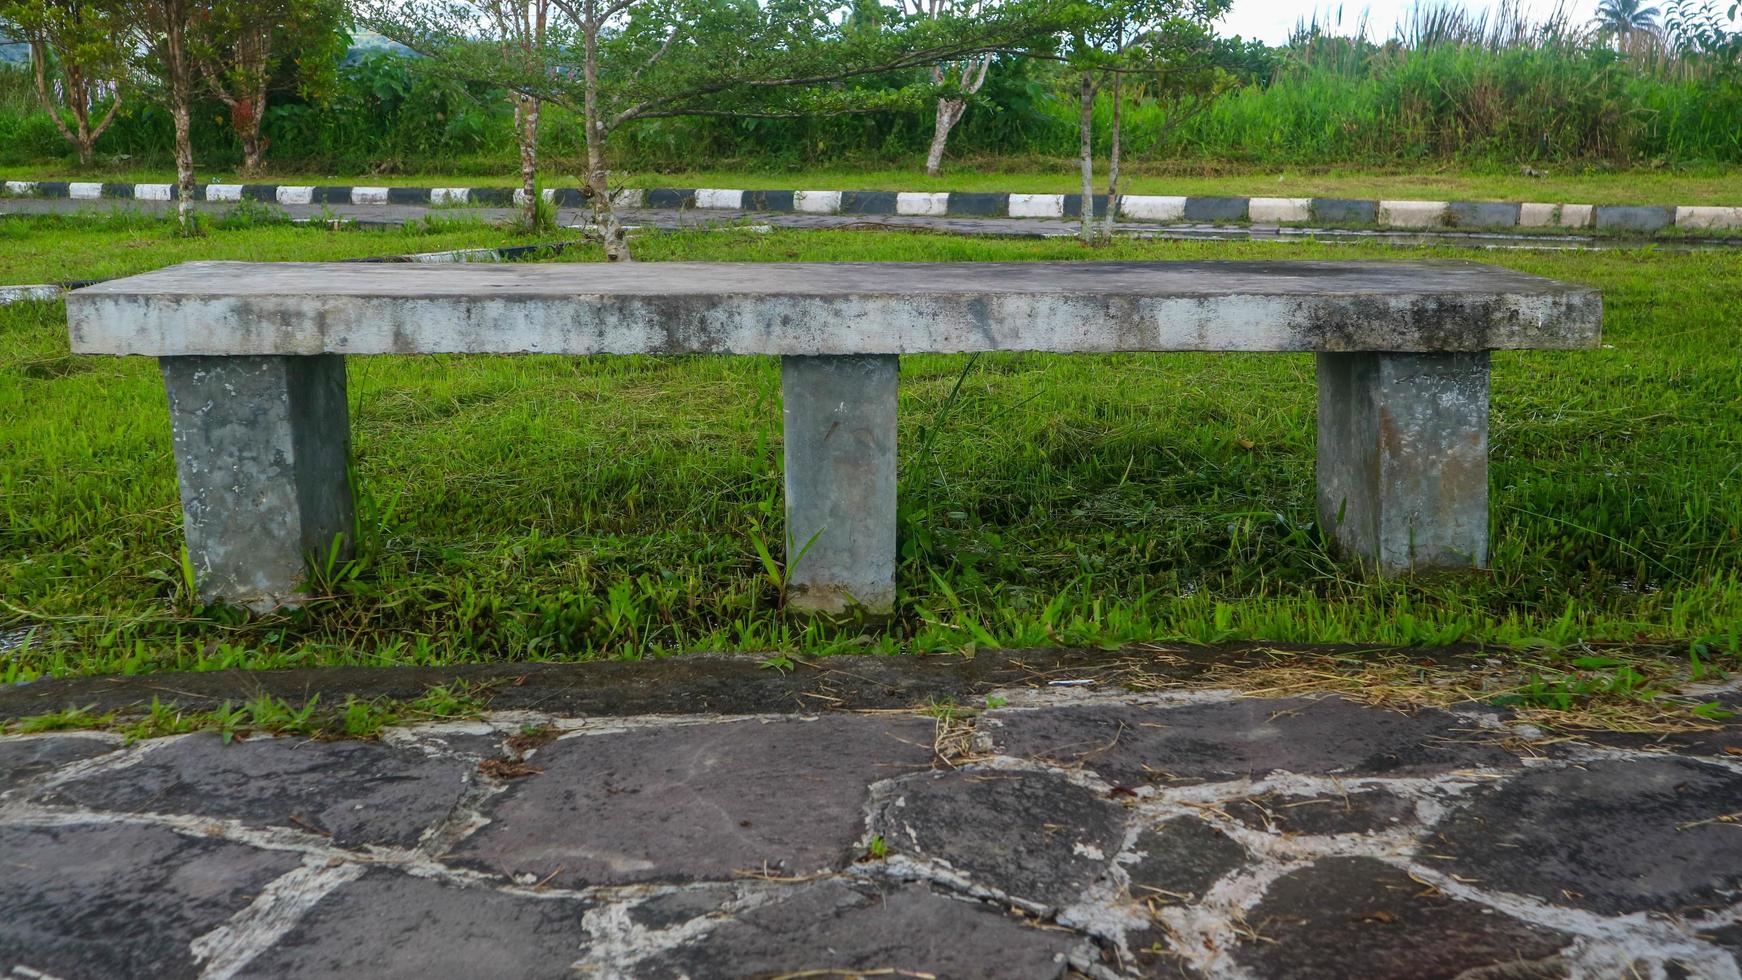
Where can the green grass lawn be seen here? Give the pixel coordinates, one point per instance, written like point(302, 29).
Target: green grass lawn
point(548, 507)
point(1715, 185)
point(99, 245)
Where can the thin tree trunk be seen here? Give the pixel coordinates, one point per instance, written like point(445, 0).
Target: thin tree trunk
point(184, 158)
point(598, 178)
point(526, 110)
point(949, 113)
point(77, 97)
point(1113, 159)
point(253, 144)
point(1085, 135)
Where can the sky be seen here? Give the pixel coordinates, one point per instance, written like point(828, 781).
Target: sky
point(1271, 21)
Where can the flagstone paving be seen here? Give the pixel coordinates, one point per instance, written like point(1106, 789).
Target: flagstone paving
point(1067, 832)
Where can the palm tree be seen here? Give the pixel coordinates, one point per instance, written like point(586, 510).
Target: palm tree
point(1623, 17)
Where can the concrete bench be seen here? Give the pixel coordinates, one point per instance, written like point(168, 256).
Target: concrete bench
point(253, 356)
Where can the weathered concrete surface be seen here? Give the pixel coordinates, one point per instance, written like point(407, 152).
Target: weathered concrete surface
point(1403, 458)
point(118, 901)
point(1358, 917)
point(839, 425)
point(262, 450)
point(1184, 833)
point(393, 926)
point(353, 792)
point(1221, 740)
point(1610, 836)
point(681, 804)
point(829, 308)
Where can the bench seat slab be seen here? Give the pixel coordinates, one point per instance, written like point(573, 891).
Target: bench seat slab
point(262, 446)
point(839, 420)
point(1403, 458)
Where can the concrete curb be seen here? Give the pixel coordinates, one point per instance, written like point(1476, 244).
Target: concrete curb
point(1152, 208)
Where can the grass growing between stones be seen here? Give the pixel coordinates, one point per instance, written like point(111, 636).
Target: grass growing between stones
point(575, 508)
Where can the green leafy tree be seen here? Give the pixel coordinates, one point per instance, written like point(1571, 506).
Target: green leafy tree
point(619, 62)
point(1162, 51)
point(162, 47)
point(957, 81)
point(1624, 18)
point(242, 45)
point(77, 43)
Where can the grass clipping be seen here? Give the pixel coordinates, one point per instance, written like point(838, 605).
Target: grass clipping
point(1608, 690)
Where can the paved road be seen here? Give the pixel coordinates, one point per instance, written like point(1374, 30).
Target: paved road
point(1196, 834)
point(1020, 227)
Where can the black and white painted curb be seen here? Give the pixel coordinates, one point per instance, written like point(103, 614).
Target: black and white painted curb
point(972, 204)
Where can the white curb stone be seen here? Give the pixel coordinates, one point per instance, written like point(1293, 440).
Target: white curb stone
point(449, 195)
point(816, 202)
point(723, 199)
point(1577, 215)
point(153, 192)
point(296, 195)
point(20, 294)
point(21, 188)
point(84, 191)
point(629, 197)
point(1538, 215)
point(1708, 217)
point(1279, 210)
point(1153, 208)
point(1412, 214)
point(223, 192)
point(1554, 215)
point(368, 195)
point(1037, 205)
point(922, 204)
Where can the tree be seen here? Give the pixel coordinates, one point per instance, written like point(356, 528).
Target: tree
point(521, 28)
point(1623, 18)
point(240, 45)
point(79, 39)
point(164, 30)
point(957, 80)
point(1164, 51)
point(618, 62)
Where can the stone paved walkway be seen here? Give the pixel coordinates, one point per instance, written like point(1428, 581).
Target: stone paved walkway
point(1066, 831)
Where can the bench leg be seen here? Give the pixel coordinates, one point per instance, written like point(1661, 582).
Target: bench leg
point(261, 449)
point(1403, 458)
point(840, 482)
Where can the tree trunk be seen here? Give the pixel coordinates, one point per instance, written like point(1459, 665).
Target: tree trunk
point(1113, 160)
point(598, 179)
point(184, 158)
point(604, 212)
point(253, 150)
point(949, 113)
point(526, 110)
point(1085, 136)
